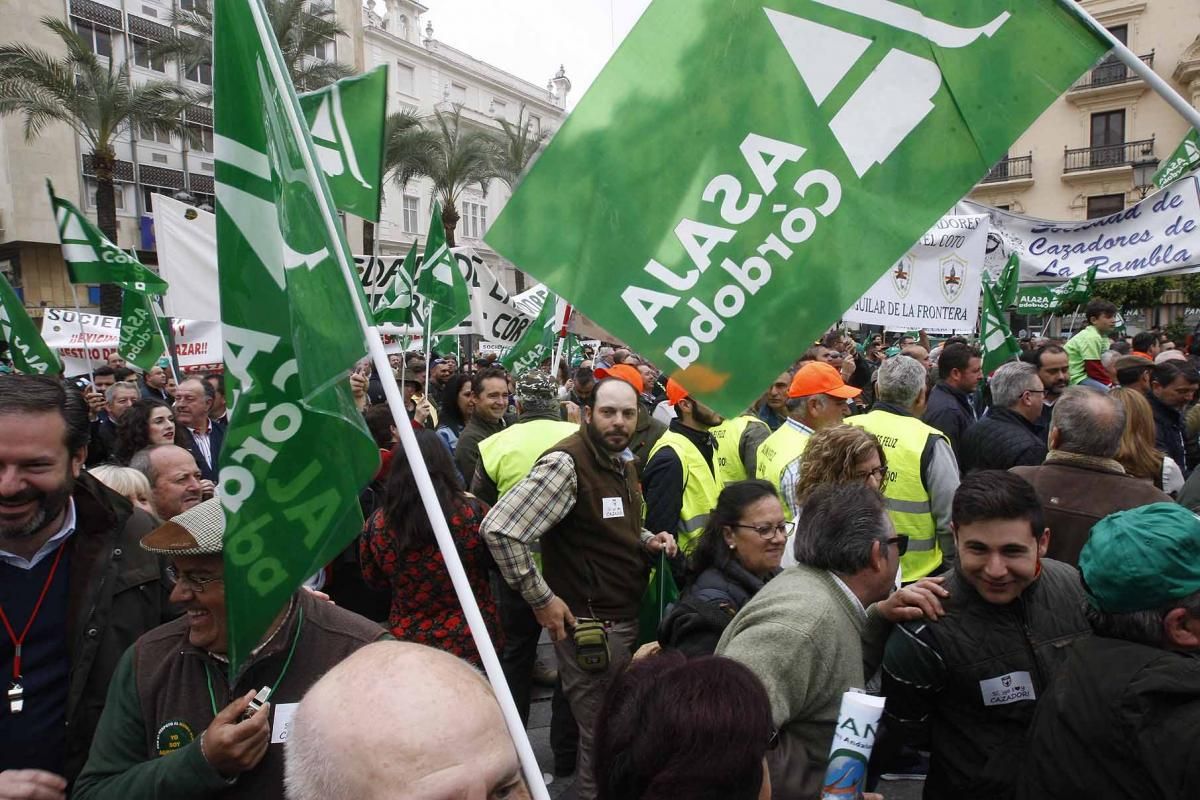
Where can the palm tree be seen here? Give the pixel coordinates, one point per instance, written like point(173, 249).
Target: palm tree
point(98, 101)
point(464, 156)
point(519, 144)
point(408, 148)
point(300, 28)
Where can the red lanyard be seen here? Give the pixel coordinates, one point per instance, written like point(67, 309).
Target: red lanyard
point(17, 641)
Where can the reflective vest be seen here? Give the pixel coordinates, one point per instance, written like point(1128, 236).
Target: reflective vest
point(780, 449)
point(904, 439)
point(700, 488)
point(729, 447)
point(509, 455)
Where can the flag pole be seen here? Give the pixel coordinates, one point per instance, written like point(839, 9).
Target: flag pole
point(168, 342)
point(83, 336)
point(428, 344)
point(1137, 66)
point(562, 334)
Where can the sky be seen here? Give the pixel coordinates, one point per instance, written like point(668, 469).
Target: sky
point(531, 38)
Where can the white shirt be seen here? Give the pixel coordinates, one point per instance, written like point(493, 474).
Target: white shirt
point(68, 528)
point(203, 443)
point(853, 597)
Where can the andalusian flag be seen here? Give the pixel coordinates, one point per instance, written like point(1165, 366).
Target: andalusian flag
point(440, 282)
point(537, 344)
point(396, 305)
point(141, 341)
point(1053, 299)
point(28, 351)
point(999, 345)
point(1185, 159)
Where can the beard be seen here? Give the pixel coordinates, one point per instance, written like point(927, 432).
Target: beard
point(613, 443)
point(50, 505)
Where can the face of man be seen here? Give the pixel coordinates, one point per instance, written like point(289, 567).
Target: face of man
point(777, 394)
point(648, 374)
point(218, 404)
point(192, 405)
point(583, 389)
point(1029, 404)
point(826, 411)
point(967, 380)
point(115, 361)
point(156, 378)
point(920, 354)
point(102, 382)
point(612, 417)
point(1177, 394)
point(1000, 558)
point(205, 609)
point(442, 373)
point(703, 416)
point(177, 481)
point(1054, 373)
point(37, 475)
point(492, 401)
point(123, 398)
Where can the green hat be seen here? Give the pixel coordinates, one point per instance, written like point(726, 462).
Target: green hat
point(1142, 559)
point(891, 352)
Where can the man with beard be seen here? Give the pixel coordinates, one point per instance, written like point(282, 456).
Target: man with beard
point(581, 499)
point(71, 541)
point(1053, 368)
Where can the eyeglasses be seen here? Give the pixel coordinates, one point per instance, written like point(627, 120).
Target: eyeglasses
point(767, 531)
point(878, 472)
point(193, 583)
point(901, 542)
point(1035, 391)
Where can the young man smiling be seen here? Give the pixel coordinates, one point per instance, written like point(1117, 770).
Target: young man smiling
point(966, 685)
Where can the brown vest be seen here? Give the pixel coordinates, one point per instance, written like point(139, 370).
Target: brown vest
point(596, 565)
point(172, 679)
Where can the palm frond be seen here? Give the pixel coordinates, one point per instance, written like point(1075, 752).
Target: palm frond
point(409, 148)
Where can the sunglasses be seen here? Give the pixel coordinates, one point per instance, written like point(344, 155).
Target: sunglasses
point(901, 542)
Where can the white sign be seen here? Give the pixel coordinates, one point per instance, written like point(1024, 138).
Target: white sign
point(935, 285)
point(281, 722)
point(1011, 688)
point(186, 242)
point(197, 342)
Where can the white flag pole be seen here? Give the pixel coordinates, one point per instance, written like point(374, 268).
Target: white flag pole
point(1138, 67)
point(408, 439)
point(562, 338)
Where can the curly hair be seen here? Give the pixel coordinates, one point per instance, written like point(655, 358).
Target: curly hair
point(833, 455)
point(133, 429)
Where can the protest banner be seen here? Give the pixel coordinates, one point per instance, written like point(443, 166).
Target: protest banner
point(934, 286)
point(84, 340)
point(186, 239)
point(1053, 299)
point(770, 221)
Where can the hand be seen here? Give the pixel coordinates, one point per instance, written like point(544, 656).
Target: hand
point(319, 595)
point(848, 367)
point(662, 541)
point(872, 796)
point(95, 400)
point(208, 489)
point(422, 410)
point(555, 617)
point(917, 600)
point(572, 411)
point(358, 388)
point(32, 784)
point(233, 745)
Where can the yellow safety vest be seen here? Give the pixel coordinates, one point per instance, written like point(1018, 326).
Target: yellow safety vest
point(781, 448)
point(908, 503)
point(729, 447)
point(700, 488)
point(509, 455)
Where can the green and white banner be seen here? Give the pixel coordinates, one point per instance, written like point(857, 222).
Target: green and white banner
point(538, 342)
point(346, 120)
point(397, 304)
point(141, 340)
point(297, 452)
point(995, 337)
point(440, 281)
point(28, 352)
point(1053, 299)
point(722, 181)
point(1185, 159)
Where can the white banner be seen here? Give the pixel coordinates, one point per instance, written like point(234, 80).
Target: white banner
point(83, 338)
point(186, 242)
point(1160, 234)
point(935, 286)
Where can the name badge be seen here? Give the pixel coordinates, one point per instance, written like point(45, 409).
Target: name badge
point(281, 725)
point(613, 507)
point(1015, 687)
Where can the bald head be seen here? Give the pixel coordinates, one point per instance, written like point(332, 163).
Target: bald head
point(1088, 422)
point(396, 714)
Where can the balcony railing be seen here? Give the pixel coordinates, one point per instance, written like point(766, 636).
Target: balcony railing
point(1106, 156)
point(1017, 168)
point(1111, 72)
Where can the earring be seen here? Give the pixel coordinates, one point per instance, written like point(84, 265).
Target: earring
point(732, 547)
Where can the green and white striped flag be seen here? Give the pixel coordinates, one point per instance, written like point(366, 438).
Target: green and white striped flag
point(1185, 159)
point(297, 451)
point(997, 340)
point(440, 281)
point(396, 307)
point(141, 341)
point(537, 344)
point(26, 347)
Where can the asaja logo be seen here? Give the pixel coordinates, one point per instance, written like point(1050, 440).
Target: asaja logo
point(902, 275)
point(173, 736)
point(954, 273)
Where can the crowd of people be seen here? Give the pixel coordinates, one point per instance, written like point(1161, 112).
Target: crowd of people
point(1012, 561)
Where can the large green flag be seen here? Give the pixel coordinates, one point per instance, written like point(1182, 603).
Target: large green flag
point(297, 452)
point(998, 343)
point(1185, 159)
point(1008, 284)
point(1053, 299)
point(537, 343)
point(741, 173)
point(28, 351)
point(396, 305)
point(440, 281)
point(92, 258)
point(346, 120)
point(142, 341)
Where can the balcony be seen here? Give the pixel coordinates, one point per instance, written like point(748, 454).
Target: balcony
point(1106, 157)
point(1011, 169)
point(1111, 72)
point(1109, 82)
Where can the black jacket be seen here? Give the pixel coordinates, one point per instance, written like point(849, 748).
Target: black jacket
point(1169, 432)
point(950, 411)
point(102, 441)
point(1122, 720)
point(1001, 440)
point(663, 479)
point(694, 624)
point(216, 438)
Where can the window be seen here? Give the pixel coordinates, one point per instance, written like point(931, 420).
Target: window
point(321, 50)
point(99, 40)
point(474, 220)
point(412, 208)
point(406, 78)
point(118, 194)
point(1111, 69)
point(458, 93)
point(144, 56)
point(499, 109)
point(1102, 205)
point(150, 135)
point(1108, 138)
point(1002, 207)
point(203, 138)
point(148, 193)
point(402, 26)
point(199, 6)
point(201, 73)
point(203, 199)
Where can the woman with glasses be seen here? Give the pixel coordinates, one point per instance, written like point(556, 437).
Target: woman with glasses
point(738, 552)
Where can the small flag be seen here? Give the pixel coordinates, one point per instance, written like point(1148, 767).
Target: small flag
point(346, 120)
point(1053, 299)
point(29, 352)
point(141, 341)
point(997, 340)
point(396, 305)
point(1185, 159)
point(440, 281)
point(92, 258)
point(537, 344)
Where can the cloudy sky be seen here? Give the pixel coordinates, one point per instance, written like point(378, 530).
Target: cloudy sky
point(531, 38)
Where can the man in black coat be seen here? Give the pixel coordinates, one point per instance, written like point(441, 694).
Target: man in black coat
point(950, 408)
point(1173, 386)
point(1009, 436)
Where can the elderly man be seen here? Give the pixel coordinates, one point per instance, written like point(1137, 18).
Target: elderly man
point(176, 723)
point(1123, 718)
point(922, 471)
point(1080, 483)
point(194, 430)
point(453, 742)
point(117, 398)
point(818, 629)
point(1009, 435)
point(175, 482)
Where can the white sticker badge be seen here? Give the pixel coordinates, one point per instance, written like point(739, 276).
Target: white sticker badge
point(282, 723)
point(1014, 687)
point(613, 507)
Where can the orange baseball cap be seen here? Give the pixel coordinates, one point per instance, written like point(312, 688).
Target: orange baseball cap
point(817, 377)
point(622, 372)
point(675, 391)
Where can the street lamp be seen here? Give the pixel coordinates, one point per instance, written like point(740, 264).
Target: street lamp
point(1144, 169)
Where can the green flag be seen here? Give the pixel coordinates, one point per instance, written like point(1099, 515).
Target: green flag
point(92, 258)
point(1185, 159)
point(1053, 299)
point(396, 305)
point(346, 121)
point(537, 343)
point(443, 345)
point(440, 281)
point(795, 135)
point(29, 352)
point(997, 341)
point(297, 452)
point(141, 341)
point(1009, 282)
